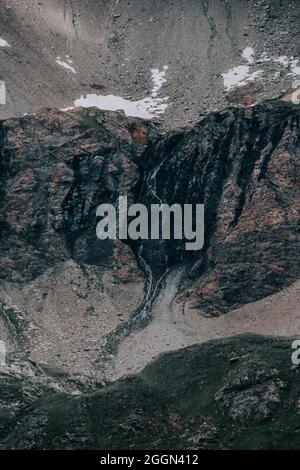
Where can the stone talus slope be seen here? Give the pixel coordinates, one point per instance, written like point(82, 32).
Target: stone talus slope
point(112, 46)
point(243, 164)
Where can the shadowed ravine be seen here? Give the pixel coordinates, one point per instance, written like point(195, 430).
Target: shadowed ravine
point(142, 315)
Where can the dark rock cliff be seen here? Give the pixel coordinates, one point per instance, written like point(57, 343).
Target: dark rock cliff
point(242, 164)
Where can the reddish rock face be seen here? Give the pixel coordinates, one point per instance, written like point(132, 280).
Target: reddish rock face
point(139, 134)
point(125, 266)
point(254, 247)
point(245, 169)
point(56, 168)
point(246, 95)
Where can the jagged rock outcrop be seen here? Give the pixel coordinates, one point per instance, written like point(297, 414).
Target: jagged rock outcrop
point(242, 164)
point(56, 168)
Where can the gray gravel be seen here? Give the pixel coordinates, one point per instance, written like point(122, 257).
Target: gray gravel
point(113, 46)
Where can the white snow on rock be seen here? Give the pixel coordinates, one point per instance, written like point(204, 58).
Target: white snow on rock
point(239, 76)
point(66, 65)
point(265, 58)
point(243, 74)
point(4, 43)
point(2, 353)
point(2, 92)
point(158, 79)
point(295, 68)
point(283, 60)
point(248, 54)
point(145, 108)
point(290, 62)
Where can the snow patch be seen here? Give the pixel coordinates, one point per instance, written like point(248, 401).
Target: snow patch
point(248, 54)
point(2, 92)
point(4, 43)
point(239, 76)
point(283, 60)
point(295, 68)
point(290, 62)
point(2, 353)
point(264, 57)
point(146, 108)
point(158, 79)
point(66, 65)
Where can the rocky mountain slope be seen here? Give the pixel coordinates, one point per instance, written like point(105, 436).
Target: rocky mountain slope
point(240, 393)
point(72, 299)
point(210, 97)
point(52, 53)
